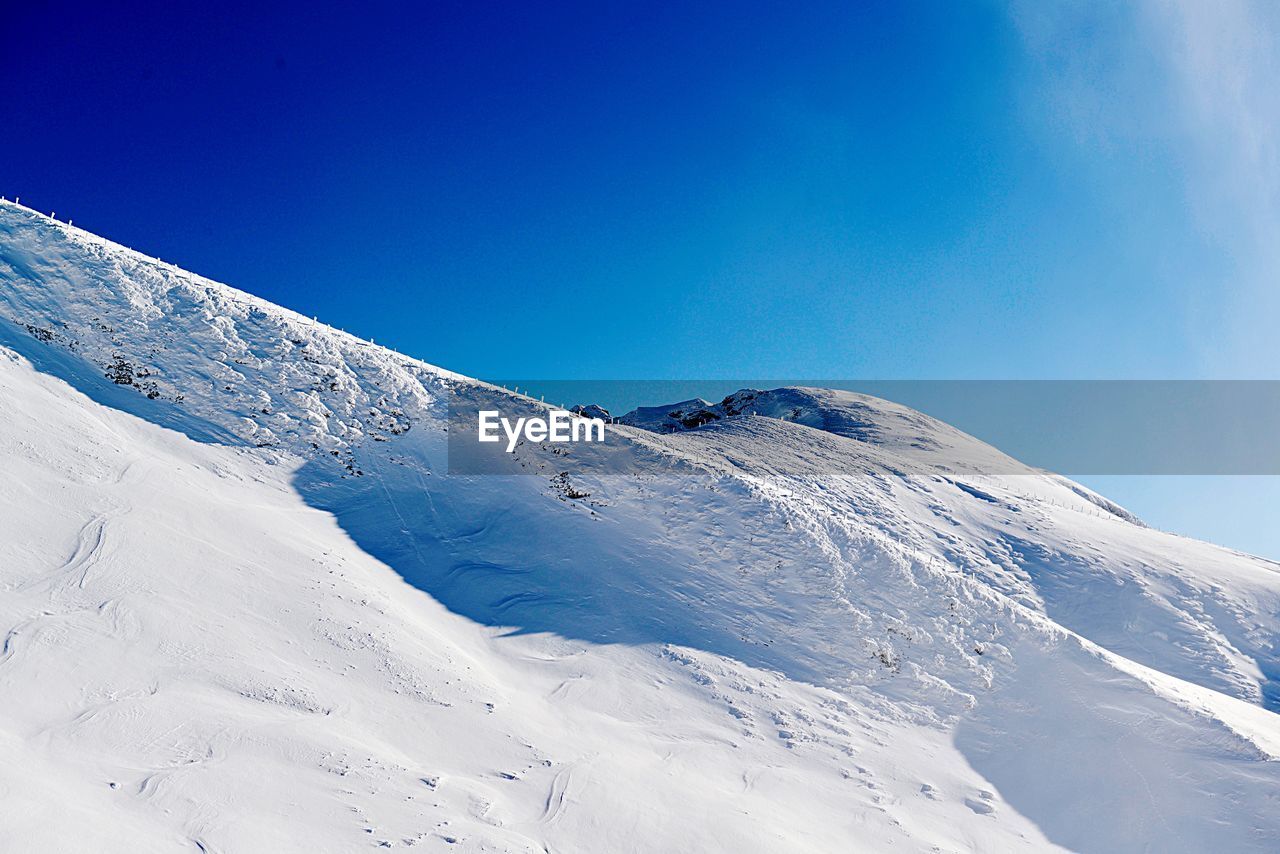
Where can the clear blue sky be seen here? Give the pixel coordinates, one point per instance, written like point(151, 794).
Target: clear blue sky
point(594, 190)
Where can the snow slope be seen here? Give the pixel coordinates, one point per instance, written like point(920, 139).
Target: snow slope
point(246, 608)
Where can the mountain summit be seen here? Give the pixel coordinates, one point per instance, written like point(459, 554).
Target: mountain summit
point(247, 607)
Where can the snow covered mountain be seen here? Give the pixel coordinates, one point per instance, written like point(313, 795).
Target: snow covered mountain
point(245, 607)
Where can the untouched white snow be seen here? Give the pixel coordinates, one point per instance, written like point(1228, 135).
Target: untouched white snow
point(244, 607)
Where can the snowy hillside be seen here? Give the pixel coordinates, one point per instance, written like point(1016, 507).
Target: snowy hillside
point(245, 607)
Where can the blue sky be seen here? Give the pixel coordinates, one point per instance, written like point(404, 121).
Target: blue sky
point(879, 190)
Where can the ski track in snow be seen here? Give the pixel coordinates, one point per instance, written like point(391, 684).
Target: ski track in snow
point(246, 609)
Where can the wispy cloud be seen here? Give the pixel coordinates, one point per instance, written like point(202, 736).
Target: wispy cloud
point(1198, 84)
point(1224, 61)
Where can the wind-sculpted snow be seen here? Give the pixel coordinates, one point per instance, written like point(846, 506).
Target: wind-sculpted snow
point(247, 608)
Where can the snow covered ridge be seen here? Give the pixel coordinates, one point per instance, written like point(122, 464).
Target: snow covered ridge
point(245, 607)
